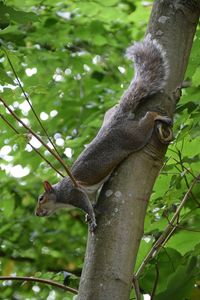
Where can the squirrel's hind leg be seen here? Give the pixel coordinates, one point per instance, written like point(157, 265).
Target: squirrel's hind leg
point(139, 133)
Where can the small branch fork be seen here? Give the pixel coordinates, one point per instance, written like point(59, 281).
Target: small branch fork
point(29, 102)
point(40, 140)
point(136, 288)
point(162, 240)
point(40, 154)
point(41, 280)
point(56, 153)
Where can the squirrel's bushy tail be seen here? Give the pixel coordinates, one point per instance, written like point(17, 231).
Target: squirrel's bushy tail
point(151, 70)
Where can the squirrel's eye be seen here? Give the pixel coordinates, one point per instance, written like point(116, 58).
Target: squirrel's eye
point(40, 198)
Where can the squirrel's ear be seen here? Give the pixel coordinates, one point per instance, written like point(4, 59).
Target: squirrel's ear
point(48, 187)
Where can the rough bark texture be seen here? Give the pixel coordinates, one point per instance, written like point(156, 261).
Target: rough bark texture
point(111, 252)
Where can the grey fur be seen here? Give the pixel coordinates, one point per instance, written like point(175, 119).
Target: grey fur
point(119, 136)
point(151, 71)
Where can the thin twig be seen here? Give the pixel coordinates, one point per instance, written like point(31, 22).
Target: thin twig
point(46, 281)
point(29, 102)
point(136, 288)
point(168, 236)
point(41, 141)
point(155, 282)
point(186, 84)
point(9, 124)
point(183, 167)
point(185, 178)
point(167, 232)
point(40, 154)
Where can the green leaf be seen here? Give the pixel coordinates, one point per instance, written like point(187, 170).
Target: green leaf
point(4, 78)
point(143, 251)
point(180, 283)
point(9, 13)
point(184, 241)
point(166, 263)
point(75, 49)
point(108, 2)
point(7, 205)
point(196, 77)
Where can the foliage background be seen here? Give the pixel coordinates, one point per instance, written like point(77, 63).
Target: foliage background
point(69, 56)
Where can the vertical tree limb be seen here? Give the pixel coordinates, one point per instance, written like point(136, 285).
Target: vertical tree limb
point(111, 252)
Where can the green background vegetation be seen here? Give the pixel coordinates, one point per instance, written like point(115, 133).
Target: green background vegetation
point(77, 49)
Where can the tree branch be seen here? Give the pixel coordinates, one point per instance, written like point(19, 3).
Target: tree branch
point(41, 141)
point(136, 288)
point(185, 178)
point(29, 102)
point(167, 232)
point(41, 280)
point(38, 152)
point(111, 252)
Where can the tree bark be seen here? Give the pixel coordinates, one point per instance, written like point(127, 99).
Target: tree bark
point(111, 252)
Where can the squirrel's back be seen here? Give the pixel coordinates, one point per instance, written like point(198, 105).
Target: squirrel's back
point(151, 70)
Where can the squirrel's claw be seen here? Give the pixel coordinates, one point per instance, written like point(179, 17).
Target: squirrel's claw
point(92, 226)
point(165, 133)
point(164, 130)
point(91, 222)
point(164, 119)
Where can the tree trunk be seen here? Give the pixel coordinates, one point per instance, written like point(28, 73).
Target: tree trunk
point(111, 252)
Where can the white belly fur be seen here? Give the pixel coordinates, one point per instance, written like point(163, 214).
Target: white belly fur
point(95, 187)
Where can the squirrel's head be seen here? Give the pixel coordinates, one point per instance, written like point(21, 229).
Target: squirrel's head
point(47, 202)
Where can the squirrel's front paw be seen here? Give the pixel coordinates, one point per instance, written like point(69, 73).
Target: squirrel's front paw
point(92, 226)
point(91, 222)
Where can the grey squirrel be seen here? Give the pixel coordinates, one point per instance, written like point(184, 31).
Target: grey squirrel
point(119, 136)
